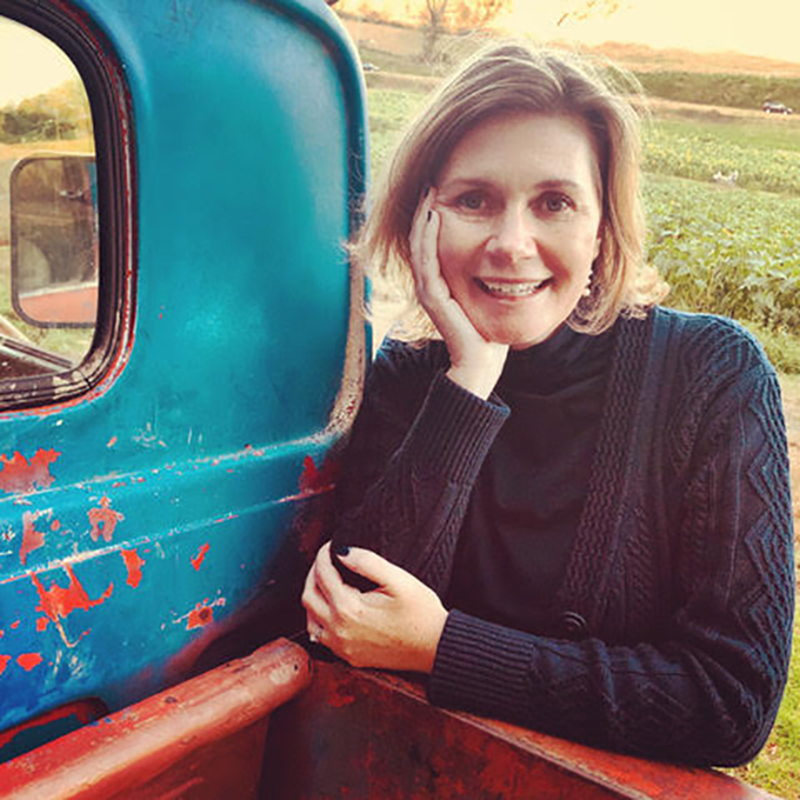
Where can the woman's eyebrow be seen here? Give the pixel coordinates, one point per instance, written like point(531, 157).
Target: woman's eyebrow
point(547, 183)
point(560, 183)
point(472, 183)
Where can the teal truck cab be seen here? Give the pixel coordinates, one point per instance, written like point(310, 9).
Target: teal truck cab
point(181, 350)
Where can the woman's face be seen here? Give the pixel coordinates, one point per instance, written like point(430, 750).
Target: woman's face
point(520, 206)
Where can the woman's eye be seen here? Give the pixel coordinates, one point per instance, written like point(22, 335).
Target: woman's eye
point(556, 203)
point(471, 202)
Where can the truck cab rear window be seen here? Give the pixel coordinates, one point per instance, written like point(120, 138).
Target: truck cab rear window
point(49, 218)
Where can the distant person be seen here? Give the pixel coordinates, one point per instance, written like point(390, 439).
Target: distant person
point(574, 503)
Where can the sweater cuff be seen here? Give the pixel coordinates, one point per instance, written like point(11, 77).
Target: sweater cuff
point(454, 430)
point(481, 667)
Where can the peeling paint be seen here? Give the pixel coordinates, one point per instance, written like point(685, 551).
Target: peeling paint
point(31, 538)
point(103, 520)
point(29, 660)
point(4, 663)
point(58, 602)
point(111, 442)
point(202, 614)
point(198, 559)
point(315, 480)
point(15, 625)
point(133, 563)
point(20, 475)
point(55, 525)
point(42, 623)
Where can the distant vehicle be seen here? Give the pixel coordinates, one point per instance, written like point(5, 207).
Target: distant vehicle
point(368, 66)
point(776, 108)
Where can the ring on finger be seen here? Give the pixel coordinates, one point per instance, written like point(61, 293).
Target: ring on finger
point(315, 633)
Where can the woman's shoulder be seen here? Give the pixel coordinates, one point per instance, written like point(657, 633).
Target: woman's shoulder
point(708, 344)
point(409, 360)
point(401, 372)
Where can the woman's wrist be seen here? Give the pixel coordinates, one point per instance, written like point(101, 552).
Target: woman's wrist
point(431, 645)
point(480, 382)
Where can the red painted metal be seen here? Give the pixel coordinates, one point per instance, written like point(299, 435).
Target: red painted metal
point(74, 304)
point(362, 734)
point(201, 739)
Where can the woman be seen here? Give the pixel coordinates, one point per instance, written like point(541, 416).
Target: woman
point(571, 506)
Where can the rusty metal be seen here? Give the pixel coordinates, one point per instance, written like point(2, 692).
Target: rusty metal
point(360, 734)
point(201, 739)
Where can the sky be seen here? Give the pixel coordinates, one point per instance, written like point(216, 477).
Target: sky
point(29, 63)
point(756, 27)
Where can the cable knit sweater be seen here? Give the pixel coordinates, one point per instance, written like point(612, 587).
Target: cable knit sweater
point(677, 599)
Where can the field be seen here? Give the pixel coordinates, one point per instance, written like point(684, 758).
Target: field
point(729, 246)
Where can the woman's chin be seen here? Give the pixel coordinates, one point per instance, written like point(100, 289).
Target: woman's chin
point(517, 338)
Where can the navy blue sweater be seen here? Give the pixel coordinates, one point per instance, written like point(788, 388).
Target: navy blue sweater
point(668, 632)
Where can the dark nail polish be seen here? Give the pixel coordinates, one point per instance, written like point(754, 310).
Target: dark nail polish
point(341, 550)
point(427, 191)
point(430, 215)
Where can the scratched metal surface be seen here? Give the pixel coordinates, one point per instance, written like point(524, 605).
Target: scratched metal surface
point(138, 522)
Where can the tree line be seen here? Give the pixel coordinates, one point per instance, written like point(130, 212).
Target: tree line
point(61, 113)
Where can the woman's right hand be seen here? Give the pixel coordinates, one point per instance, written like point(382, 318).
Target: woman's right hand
point(475, 362)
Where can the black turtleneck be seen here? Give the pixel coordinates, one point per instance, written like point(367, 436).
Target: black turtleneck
point(526, 504)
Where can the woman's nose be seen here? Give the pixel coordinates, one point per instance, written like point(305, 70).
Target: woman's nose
point(514, 237)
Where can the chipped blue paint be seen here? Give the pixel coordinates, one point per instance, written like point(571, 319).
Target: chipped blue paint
point(248, 142)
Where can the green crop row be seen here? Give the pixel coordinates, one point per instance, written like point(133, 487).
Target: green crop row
point(701, 155)
point(730, 252)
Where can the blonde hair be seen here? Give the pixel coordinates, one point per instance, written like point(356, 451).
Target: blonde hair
point(504, 79)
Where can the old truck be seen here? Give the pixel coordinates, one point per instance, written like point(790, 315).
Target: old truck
point(181, 350)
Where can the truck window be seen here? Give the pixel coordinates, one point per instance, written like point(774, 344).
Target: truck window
point(49, 218)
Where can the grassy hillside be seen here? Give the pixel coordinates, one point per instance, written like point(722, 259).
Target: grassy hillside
point(732, 91)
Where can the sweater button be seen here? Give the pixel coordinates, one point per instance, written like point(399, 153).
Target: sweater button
point(573, 625)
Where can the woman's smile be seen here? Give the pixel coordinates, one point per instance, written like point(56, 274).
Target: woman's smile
point(520, 207)
point(511, 290)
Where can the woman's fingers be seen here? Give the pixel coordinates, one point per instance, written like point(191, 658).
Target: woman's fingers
point(375, 568)
point(396, 626)
point(319, 588)
point(429, 283)
point(313, 601)
point(313, 583)
point(423, 242)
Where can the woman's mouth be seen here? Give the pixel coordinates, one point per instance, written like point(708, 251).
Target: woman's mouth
point(511, 289)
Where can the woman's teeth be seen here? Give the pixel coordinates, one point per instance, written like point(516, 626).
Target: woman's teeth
point(512, 289)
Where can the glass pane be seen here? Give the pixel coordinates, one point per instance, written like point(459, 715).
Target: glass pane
point(48, 208)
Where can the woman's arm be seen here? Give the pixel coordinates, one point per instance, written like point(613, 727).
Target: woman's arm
point(415, 451)
point(707, 691)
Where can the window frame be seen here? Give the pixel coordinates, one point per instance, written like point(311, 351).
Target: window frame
point(112, 121)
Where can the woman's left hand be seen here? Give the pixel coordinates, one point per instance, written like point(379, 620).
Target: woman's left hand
point(396, 626)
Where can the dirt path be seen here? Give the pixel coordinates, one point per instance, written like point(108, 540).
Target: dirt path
point(662, 107)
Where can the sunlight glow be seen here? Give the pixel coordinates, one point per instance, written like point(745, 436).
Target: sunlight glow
point(766, 28)
point(29, 63)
